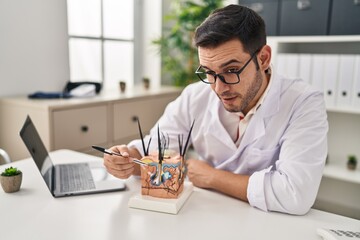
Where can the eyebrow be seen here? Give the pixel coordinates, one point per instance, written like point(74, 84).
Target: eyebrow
point(224, 64)
point(229, 62)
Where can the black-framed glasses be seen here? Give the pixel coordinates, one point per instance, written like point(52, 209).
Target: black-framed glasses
point(229, 77)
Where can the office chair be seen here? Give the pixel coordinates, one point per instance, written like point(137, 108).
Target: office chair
point(5, 156)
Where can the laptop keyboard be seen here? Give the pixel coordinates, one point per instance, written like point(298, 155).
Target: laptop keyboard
point(76, 177)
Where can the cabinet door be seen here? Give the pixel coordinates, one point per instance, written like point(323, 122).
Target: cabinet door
point(304, 17)
point(79, 128)
point(147, 110)
point(268, 10)
point(345, 17)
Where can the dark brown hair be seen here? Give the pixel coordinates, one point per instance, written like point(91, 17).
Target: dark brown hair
point(232, 22)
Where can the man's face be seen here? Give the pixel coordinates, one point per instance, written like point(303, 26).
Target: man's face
point(240, 97)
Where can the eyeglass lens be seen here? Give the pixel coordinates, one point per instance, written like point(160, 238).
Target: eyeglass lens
point(224, 77)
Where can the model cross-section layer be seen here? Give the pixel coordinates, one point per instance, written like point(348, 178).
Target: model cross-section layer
point(165, 180)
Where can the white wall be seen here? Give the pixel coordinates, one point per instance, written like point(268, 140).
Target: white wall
point(152, 25)
point(34, 53)
point(33, 46)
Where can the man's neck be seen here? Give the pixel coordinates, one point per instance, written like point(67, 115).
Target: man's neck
point(266, 79)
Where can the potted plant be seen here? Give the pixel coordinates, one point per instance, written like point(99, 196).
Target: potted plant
point(146, 82)
point(11, 179)
point(179, 56)
point(122, 85)
point(352, 161)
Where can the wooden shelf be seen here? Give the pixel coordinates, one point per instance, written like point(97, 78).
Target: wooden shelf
point(343, 110)
point(312, 39)
point(340, 172)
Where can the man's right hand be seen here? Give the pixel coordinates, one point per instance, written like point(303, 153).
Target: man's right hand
point(122, 166)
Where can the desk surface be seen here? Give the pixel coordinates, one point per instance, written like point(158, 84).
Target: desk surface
point(32, 213)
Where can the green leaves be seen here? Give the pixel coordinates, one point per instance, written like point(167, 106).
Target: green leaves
point(179, 56)
point(10, 172)
point(352, 159)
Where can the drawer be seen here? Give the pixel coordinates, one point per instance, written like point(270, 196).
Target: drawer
point(148, 111)
point(268, 10)
point(304, 17)
point(345, 17)
point(80, 128)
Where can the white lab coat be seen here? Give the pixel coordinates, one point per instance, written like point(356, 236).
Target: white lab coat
point(283, 148)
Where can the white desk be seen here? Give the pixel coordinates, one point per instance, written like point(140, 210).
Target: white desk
point(32, 213)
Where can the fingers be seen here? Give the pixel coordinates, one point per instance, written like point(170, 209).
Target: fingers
point(199, 173)
point(121, 172)
point(190, 165)
point(119, 166)
point(190, 169)
point(122, 149)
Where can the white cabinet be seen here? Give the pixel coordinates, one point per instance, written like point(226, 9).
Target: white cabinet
point(76, 124)
point(79, 128)
point(125, 115)
point(340, 188)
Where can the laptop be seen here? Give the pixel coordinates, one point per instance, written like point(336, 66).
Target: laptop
point(67, 179)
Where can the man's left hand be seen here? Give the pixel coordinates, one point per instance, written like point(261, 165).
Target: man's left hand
point(200, 173)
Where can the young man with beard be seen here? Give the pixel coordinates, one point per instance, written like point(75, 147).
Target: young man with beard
point(259, 137)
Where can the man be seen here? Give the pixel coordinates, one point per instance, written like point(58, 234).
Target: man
point(259, 137)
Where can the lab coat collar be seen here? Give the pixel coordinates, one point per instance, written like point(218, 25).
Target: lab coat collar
point(271, 103)
point(269, 107)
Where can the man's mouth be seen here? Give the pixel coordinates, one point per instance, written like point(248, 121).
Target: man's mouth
point(228, 100)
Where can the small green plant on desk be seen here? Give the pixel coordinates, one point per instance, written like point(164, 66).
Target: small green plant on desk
point(11, 180)
point(11, 171)
point(352, 162)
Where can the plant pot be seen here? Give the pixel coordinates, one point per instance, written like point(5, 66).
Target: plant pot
point(146, 82)
point(351, 166)
point(122, 86)
point(11, 183)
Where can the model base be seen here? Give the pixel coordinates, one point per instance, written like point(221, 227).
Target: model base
point(171, 206)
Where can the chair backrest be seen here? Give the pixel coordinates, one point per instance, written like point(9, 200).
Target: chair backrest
point(5, 156)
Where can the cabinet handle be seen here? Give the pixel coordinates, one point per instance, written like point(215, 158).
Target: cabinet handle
point(329, 92)
point(357, 2)
point(344, 93)
point(257, 7)
point(134, 118)
point(84, 128)
point(303, 5)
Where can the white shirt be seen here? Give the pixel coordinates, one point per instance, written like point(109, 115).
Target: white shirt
point(283, 148)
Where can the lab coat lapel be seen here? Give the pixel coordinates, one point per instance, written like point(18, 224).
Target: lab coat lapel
point(269, 107)
point(255, 130)
point(217, 131)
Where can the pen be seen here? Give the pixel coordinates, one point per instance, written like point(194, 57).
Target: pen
point(107, 151)
point(140, 162)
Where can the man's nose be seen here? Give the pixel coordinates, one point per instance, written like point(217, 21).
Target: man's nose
point(220, 86)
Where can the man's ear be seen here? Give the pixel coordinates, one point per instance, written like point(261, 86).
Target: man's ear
point(264, 57)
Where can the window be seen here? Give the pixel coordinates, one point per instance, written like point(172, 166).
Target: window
point(102, 40)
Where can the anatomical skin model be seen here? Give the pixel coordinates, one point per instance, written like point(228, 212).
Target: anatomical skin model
point(165, 180)
point(163, 172)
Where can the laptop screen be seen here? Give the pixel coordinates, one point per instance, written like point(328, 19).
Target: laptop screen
point(37, 149)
